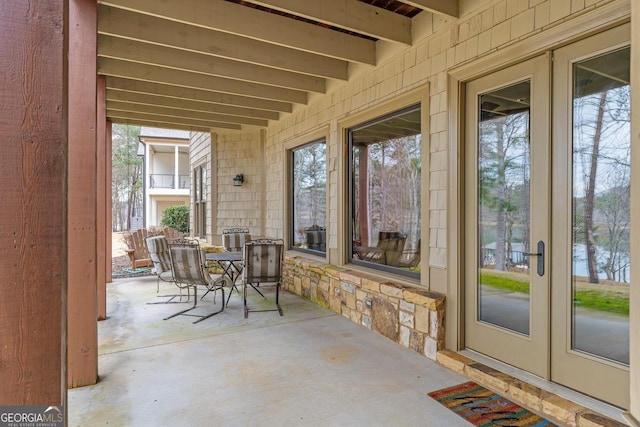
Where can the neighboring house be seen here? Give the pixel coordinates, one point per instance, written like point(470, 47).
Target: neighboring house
point(166, 171)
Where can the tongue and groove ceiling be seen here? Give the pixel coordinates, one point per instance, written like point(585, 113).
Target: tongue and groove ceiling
point(233, 64)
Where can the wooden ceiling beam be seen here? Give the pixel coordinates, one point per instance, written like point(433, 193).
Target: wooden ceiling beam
point(180, 113)
point(169, 120)
point(137, 71)
point(130, 50)
point(350, 15)
point(161, 125)
point(448, 8)
point(151, 29)
point(255, 24)
point(140, 86)
point(188, 104)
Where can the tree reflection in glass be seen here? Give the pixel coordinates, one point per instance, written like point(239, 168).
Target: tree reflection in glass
point(504, 168)
point(601, 180)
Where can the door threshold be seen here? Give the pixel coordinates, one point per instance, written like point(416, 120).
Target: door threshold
point(569, 414)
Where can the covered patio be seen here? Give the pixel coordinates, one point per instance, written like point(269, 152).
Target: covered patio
point(309, 367)
point(258, 83)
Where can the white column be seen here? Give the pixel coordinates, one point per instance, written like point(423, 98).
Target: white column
point(176, 164)
point(147, 173)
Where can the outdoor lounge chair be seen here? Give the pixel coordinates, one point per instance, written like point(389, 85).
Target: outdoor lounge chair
point(189, 271)
point(413, 258)
point(263, 262)
point(316, 237)
point(388, 251)
point(137, 250)
point(392, 249)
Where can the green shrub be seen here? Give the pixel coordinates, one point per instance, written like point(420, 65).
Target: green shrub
point(176, 217)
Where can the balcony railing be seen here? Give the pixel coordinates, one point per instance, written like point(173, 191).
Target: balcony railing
point(165, 180)
point(184, 181)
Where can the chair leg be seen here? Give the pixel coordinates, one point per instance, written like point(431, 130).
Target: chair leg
point(195, 303)
point(257, 290)
point(233, 286)
point(212, 314)
point(244, 294)
point(246, 308)
point(171, 297)
point(278, 298)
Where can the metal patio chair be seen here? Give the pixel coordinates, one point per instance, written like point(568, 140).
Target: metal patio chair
point(189, 271)
point(233, 240)
point(158, 248)
point(263, 262)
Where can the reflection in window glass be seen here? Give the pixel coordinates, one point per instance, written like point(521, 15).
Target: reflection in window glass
point(601, 208)
point(385, 170)
point(504, 205)
point(200, 201)
point(309, 196)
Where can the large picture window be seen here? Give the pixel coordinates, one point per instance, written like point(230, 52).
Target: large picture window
point(308, 199)
point(384, 192)
point(200, 201)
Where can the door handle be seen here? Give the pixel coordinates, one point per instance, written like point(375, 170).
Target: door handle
point(540, 255)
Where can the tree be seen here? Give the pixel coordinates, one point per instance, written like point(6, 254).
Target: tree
point(614, 207)
point(589, 197)
point(394, 180)
point(504, 176)
point(601, 178)
point(126, 183)
point(309, 188)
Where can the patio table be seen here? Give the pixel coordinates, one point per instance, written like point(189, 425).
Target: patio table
point(231, 263)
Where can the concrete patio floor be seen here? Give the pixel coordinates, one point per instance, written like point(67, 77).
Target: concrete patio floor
point(310, 367)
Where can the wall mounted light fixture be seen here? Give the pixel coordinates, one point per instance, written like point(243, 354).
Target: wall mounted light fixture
point(238, 180)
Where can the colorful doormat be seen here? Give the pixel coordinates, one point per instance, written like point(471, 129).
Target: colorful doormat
point(484, 408)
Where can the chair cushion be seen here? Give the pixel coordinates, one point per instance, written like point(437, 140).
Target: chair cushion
point(234, 242)
point(317, 240)
point(188, 267)
point(159, 253)
point(263, 262)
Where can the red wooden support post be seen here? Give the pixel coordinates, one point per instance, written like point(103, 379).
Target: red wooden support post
point(109, 205)
point(103, 191)
point(33, 257)
point(82, 334)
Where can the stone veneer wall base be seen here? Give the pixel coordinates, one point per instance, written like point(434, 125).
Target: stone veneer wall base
point(410, 316)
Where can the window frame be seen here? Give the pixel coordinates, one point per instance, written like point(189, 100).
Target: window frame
point(290, 202)
point(349, 199)
point(200, 201)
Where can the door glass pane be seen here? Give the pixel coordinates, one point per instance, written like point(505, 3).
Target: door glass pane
point(503, 207)
point(601, 178)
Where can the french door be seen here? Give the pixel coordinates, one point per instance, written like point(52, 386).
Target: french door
point(507, 205)
point(547, 175)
